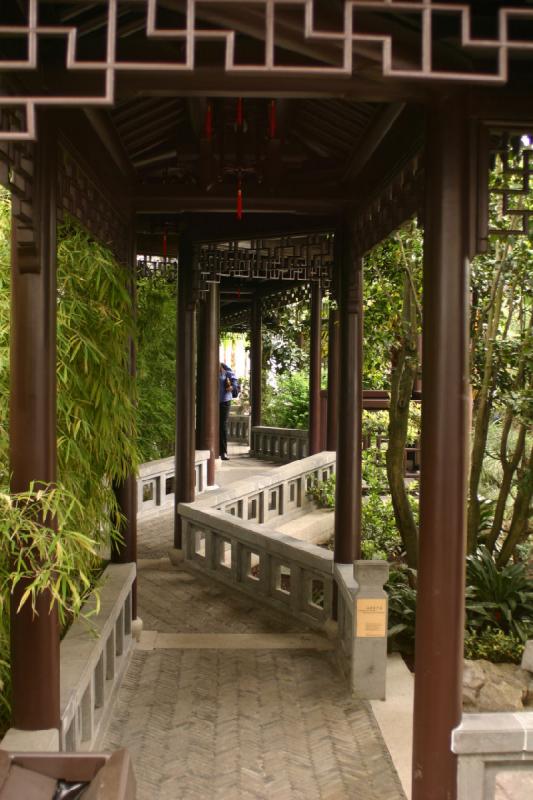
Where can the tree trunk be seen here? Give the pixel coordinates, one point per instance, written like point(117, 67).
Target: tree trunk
point(521, 511)
point(509, 467)
point(403, 376)
point(482, 415)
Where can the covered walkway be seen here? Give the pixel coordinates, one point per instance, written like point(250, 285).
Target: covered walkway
point(227, 699)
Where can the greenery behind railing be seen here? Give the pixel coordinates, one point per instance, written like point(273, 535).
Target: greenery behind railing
point(96, 432)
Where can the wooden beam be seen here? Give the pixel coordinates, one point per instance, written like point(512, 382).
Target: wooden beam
point(372, 138)
point(218, 83)
point(107, 133)
point(173, 199)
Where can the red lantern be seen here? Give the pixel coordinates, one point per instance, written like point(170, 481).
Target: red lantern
point(239, 117)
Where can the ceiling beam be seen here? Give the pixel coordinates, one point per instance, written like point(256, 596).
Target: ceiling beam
point(173, 199)
point(371, 139)
point(107, 133)
point(212, 82)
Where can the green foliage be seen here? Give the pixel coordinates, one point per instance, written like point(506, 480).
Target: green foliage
point(498, 598)
point(384, 271)
point(287, 405)
point(95, 429)
point(156, 367)
point(323, 492)
point(401, 588)
point(95, 393)
point(493, 645)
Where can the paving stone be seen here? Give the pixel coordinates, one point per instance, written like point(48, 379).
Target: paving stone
point(233, 723)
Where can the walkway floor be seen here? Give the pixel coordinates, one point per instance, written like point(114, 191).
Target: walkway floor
point(226, 700)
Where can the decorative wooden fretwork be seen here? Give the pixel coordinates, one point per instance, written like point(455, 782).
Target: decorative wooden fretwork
point(291, 258)
point(510, 34)
point(80, 196)
point(239, 320)
point(400, 200)
point(511, 183)
point(16, 171)
point(153, 267)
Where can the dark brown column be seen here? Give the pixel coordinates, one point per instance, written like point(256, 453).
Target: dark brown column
point(35, 639)
point(440, 607)
point(185, 383)
point(350, 407)
point(333, 379)
point(315, 368)
point(208, 367)
point(256, 363)
point(126, 491)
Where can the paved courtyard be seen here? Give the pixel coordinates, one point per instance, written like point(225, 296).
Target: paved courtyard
point(227, 700)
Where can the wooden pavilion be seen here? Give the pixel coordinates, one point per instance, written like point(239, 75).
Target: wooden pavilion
point(267, 145)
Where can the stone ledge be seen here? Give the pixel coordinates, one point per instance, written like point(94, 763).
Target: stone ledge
point(45, 741)
point(494, 734)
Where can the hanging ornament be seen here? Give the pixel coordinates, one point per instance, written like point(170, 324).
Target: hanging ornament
point(272, 122)
point(208, 122)
point(239, 116)
point(239, 199)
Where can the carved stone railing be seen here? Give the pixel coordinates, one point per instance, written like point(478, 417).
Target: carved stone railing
point(279, 444)
point(239, 428)
point(231, 536)
point(362, 614)
point(155, 484)
point(495, 756)
point(93, 658)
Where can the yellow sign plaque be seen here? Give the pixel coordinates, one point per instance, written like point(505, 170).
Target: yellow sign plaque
point(371, 618)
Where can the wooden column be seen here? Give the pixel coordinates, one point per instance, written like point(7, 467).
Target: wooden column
point(350, 407)
point(315, 368)
point(126, 491)
point(185, 383)
point(443, 495)
point(256, 362)
point(208, 369)
point(333, 379)
point(35, 639)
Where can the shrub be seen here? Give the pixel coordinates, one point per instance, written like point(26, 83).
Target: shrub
point(287, 404)
point(401, 588)
point(156, 367)
point(493, 645)
point(498, 598)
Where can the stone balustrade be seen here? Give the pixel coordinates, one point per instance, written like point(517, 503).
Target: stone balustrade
point(495, 754)
point(231, 536)
point(239, 428)
point(362, 619)
point(279, 444)
point(155, 484)
point(94, 655)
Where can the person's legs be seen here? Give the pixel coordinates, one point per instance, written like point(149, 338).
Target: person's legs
point(224, 414)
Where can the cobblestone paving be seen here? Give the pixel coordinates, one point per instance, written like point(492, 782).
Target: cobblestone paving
point(238, 724)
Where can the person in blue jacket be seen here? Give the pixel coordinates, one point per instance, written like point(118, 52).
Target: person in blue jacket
point(228, 388)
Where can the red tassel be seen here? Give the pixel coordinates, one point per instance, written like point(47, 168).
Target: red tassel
point(239, 118)
point(165, 236)
point(239, 203)
point(238, 293)
point(272, 122)
point(208, 122)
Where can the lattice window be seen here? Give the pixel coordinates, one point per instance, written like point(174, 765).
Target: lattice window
point(511, 184)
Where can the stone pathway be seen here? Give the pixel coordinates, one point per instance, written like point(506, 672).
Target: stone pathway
point(227, 700)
